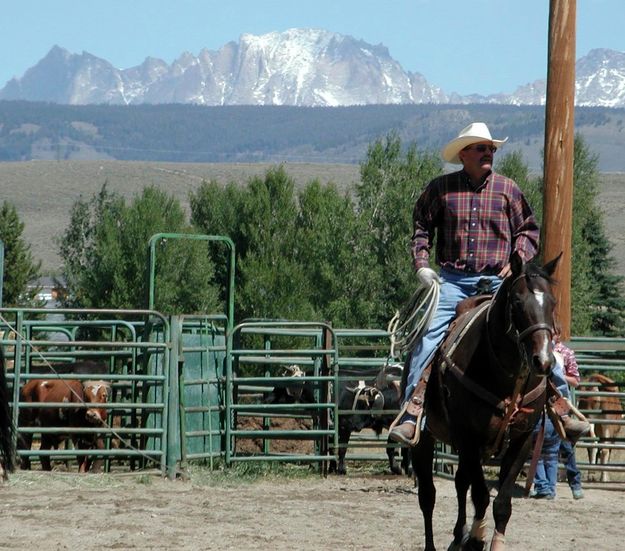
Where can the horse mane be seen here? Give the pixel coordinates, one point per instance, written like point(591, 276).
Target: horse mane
point(533, 270)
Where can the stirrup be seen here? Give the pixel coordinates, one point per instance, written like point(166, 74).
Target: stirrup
point(417, 429)
point(418, 419)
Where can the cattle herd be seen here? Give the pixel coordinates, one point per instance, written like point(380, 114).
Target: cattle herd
point(370, 403)
point(607, 413)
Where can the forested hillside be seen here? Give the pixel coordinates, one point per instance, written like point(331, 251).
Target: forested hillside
point(188, 133)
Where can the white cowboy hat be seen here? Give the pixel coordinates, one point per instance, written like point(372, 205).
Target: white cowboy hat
point(476, 132)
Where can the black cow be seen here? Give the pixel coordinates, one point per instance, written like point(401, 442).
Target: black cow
point(293, 392)
point(366, 400)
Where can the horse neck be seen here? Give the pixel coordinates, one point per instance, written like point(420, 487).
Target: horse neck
point(503, 349)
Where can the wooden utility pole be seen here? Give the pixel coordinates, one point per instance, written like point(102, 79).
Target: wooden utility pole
point(559, 145)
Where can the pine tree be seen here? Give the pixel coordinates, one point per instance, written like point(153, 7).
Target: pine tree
point(20, 268)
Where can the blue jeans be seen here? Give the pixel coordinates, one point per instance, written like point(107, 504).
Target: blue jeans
point(546, 476)
point(558, 379)
point(567, 451)
point(573, 476)
point(454, 288)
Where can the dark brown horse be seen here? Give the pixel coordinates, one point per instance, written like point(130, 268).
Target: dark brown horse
point(488, 404)
point(7, 450)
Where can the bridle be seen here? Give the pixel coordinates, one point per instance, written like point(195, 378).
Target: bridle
point(512, 331)
point(520, 397)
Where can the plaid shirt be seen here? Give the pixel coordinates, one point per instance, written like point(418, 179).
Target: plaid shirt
point(477, 227)
point(570, 362)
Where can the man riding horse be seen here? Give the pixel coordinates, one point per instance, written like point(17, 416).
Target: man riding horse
point(479, 218)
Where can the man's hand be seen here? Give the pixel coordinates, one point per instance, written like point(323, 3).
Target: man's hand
point(505, 271)
point(427, 276)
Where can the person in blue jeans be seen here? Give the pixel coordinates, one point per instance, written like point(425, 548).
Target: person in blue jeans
point(566, 356)
point(546, 477)
point(478, 219)
point(573, 475)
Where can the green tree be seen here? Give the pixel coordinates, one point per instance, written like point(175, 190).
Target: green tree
point(19, 266)
point(391, 181)
point(597, 293)
point(105, 251)
point(273, 283)
point(344, 281)
point(261, 220)
point(514, 166)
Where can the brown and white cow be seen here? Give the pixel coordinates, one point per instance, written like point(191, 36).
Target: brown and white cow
point(602, 408)
point(49, 391)
point(74, 393)
point(96, 393)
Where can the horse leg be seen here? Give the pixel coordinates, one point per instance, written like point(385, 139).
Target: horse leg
point(481, 499)
point(604, 459)
point(511, 466)
point(405, 461)
point(422, 459)
point(462, 481)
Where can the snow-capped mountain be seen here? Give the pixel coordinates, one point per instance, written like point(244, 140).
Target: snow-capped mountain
point(296, 67)
point(304, 67)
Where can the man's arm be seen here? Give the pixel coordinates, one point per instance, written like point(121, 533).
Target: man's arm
point(525, 230)
point(423, 219)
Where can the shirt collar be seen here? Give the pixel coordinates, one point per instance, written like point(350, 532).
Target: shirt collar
point(473, 185)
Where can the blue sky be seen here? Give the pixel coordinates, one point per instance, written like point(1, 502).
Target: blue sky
point(470, 46)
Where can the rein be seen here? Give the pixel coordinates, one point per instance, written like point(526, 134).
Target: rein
point(518, 401)
point(512, 330)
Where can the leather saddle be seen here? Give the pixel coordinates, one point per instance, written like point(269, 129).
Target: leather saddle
point(464, 333)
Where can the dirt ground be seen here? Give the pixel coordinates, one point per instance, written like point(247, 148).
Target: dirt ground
point(65, 511)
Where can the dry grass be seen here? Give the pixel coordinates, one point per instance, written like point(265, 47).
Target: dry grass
point(43, 192)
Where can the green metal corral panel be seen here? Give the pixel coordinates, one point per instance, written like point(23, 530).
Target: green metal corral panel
point(204, 360)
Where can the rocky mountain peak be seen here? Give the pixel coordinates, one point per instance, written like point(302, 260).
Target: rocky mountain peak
point(303, 67)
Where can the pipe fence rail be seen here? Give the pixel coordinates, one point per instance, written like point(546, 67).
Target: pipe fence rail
point(194, 389)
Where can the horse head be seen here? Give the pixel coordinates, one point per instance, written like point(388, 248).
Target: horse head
point(531, 308)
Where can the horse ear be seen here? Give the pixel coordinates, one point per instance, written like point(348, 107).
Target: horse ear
point(516, 263)
point(551, 266)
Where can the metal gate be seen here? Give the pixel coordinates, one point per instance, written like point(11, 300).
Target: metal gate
point(136, 351)
point(261, 350)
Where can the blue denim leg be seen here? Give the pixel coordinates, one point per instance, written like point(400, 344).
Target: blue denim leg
point(558, 379)
point(546, 476)
point(573, 475)
point(454, 288)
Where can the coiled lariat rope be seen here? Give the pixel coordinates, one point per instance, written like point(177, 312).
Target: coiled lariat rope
point(412, 320)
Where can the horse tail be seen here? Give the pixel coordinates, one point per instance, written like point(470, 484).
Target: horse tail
point(7, 449)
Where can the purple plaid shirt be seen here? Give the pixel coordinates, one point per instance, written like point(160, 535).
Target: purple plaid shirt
point(477, 227)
